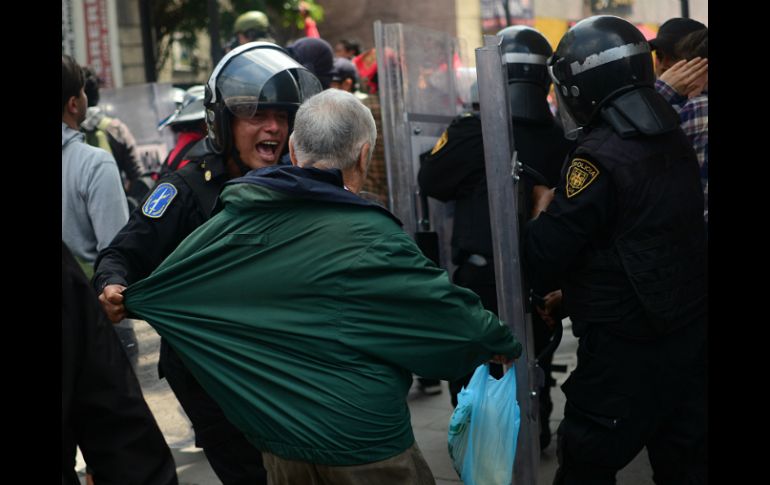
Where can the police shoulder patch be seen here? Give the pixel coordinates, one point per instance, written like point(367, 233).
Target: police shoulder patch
point(159, 200)
point(580, 174)
point(440, 143)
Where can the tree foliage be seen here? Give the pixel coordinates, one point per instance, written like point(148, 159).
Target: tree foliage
point(184, 20)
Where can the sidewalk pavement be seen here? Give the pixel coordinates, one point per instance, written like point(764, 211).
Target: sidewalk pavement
point(430, 417)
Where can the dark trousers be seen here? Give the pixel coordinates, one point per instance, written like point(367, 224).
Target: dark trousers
point(232, 457)
point(624, 396)
point(127, 336)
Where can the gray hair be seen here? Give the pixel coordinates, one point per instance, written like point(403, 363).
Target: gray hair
point(330, 128)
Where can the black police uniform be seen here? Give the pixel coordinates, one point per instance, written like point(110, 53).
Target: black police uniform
point(624, 240)
point(455, 171)
point(103, 410)
point(133, 254)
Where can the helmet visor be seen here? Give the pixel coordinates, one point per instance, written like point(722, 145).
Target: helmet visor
point(568, 123)
point(262, 79)
point(557, 69)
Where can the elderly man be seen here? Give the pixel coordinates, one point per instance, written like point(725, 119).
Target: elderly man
point(311, 308)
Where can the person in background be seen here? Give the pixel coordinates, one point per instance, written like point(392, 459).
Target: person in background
point(685, 86)
point(93, 205)
point(669, 34)
point(316, 55)
point(347, 48)
point(188, 123)
point(311, 28)
point(111, 134)
point(344, 75)
point(252, 26)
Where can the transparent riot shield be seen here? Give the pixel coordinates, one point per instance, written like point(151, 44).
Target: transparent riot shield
point(419, 96)
point(141, 107)
point(502, 181)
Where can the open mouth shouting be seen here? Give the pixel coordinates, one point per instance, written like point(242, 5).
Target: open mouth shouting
point(268, 150)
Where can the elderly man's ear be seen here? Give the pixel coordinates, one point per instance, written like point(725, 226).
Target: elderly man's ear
point(292, 156)
point(363, 159)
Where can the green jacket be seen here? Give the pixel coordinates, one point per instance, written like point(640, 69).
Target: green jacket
point(303, 310)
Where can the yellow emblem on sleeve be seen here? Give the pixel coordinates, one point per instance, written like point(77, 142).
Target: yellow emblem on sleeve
point(581, 174)
point(440, 143)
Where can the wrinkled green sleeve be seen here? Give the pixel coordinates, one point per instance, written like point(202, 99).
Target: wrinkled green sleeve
point(404, 310)
point(197, 258)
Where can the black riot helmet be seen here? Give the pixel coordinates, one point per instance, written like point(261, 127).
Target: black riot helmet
point(252, 77)
point(603, 67)
point(525, 52)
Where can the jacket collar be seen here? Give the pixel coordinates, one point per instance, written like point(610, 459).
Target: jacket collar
point(307, 183)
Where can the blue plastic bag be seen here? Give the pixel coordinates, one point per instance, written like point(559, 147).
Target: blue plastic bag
point(484, 428)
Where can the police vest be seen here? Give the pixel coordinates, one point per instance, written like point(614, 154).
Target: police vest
point(649, 277)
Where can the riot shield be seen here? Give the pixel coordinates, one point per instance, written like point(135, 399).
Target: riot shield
point(419, 96)
point(141, 107)
point(503, 175)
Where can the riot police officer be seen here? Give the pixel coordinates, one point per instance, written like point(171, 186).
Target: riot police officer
point(454, 170)
point(623, 237)
point(250, 101)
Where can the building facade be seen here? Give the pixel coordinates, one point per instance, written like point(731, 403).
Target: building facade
point(107, 34)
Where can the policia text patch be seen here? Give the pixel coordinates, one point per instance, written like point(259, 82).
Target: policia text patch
point(581, 174)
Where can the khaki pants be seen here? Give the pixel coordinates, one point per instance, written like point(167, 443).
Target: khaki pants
point(407, 468)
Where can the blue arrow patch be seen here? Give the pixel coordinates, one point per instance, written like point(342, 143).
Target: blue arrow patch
point(159, 200)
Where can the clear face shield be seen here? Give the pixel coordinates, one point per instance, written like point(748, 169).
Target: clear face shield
point(556, 69)
point(264, 78)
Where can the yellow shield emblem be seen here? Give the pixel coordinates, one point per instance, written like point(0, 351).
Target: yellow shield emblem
point(581, 174)
point(440, 143)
